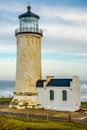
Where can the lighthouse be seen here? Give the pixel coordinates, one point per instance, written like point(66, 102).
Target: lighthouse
point(28, 66)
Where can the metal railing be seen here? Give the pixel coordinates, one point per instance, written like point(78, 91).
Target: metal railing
point(32, 30)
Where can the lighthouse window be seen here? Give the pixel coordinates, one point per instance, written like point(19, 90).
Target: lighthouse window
point(29, 24)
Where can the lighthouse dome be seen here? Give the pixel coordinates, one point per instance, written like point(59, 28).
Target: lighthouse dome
point(29, 13)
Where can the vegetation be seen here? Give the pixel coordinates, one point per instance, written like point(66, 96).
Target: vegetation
point(5, 100)
point(18, 123)
point(22, 123)
point(84, 104)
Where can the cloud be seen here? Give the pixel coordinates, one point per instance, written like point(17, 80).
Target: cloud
point(71, 3)
point(7, 31)
point(11, 6)
point(63, 69)
point(64, 28)
point(71, 22)
point(9, 49)
point(63, 56)
point(8, 70)
point(7, 54)
point(55, 31)
point(8, 61)
point(72, 13)
point(4, 20)
point(64, 45)
point(57, 52)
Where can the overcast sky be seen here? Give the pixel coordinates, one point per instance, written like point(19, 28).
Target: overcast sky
point(64, 42)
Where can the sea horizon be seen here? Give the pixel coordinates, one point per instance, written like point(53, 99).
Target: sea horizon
point(7, 88)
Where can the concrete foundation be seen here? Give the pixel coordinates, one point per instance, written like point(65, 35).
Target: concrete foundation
point(24, 102)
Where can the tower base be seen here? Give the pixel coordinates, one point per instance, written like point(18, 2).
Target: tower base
point(24, 102)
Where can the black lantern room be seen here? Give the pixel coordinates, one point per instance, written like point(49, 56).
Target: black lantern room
point(28, 23)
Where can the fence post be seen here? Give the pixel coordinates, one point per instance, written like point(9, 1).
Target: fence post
point(9, 113)
point(27, 114)
point(47, 116)
point(69, 117)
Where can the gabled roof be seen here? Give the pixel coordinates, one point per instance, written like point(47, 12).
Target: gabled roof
point(59, 82)
point(40, 83)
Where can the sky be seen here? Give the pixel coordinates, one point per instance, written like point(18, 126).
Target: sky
point(64, 41)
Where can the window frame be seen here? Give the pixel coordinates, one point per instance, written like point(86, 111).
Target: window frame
point(64, 95)
point(51, 95)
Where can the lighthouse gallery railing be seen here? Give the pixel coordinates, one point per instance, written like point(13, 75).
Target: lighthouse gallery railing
point(32, 30)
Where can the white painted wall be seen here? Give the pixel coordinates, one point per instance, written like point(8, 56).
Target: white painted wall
point(57, 103)
point(73, 97)
point(76, 85)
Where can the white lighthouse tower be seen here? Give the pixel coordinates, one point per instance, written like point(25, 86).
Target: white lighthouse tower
point(28, 70)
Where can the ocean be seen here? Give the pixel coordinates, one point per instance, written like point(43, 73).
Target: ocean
point(7, 89)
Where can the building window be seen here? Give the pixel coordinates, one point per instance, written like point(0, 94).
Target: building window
point(64, 95)
point(51, 94)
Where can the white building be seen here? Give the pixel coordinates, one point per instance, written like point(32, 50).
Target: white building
point(59, 94)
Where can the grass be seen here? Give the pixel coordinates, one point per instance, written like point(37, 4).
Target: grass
point(22, 123)
point(5, 99)
point(18, 123)
point(84, 104)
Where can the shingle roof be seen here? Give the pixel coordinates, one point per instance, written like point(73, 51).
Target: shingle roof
point(59, 82)
point(40, 83)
